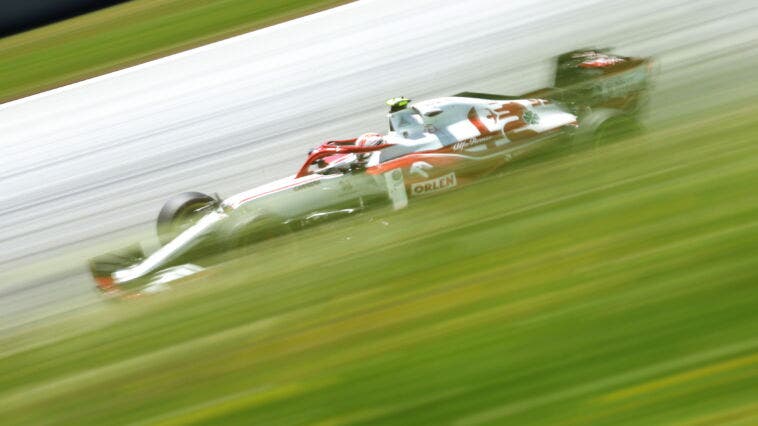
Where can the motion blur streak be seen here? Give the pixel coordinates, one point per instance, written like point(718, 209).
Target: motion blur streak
point(89, 164)
point(613, 285)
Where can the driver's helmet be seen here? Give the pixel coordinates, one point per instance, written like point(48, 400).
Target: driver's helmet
point(368, 139)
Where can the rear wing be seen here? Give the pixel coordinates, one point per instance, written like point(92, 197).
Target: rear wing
point(593, 78)
point(596, 78)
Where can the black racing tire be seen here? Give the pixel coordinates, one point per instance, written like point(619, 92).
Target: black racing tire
point(616, 129)
point(605, 126)
point(180, 212)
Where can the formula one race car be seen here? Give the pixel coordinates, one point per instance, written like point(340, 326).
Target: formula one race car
point(431, 147)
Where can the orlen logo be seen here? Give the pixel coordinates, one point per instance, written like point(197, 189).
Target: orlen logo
point(433, 185)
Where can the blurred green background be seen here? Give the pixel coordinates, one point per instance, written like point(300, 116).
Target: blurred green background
point(128, 34)
point(586, 286)
point(592, 286)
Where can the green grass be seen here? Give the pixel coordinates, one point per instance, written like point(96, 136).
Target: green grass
point(131, 33)
point(614, 286)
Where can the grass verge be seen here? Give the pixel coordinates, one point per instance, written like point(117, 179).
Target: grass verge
point(128, 34)
point(614, 286)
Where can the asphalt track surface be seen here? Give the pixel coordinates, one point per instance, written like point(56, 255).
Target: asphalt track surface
point(87, 166)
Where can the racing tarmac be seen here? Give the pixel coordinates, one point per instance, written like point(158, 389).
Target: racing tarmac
point(86, 167)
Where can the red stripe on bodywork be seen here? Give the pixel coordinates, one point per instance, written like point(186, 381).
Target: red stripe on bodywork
point(407, 161)
point(473, 117)
point(252, 197)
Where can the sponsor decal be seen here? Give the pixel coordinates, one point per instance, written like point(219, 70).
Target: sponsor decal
point(475, 141)
point(531, 117)
point(419, 168)
point(512, 113)
point(601, 62)
point(620, 85)
point(307, 185)
point(433, 185)
point(396, 189)
point(467, 143)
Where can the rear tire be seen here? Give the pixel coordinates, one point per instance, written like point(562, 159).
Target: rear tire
point(615, 129)
point(182, 211)
point(605, 126)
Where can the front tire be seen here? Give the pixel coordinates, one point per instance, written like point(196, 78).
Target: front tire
point(182, 211)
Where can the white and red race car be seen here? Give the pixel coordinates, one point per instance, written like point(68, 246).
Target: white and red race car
point(432, 146)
